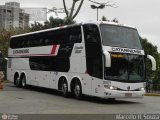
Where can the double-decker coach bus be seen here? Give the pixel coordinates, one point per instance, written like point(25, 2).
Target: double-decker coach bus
point(99, 59)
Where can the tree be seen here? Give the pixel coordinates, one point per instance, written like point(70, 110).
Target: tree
point(4, 41)
point(36, 26)
point(51, 23)
point(105, 19)
point(115, 20)
point(71, 15)
point(56, 22)
point(150, 49)
point(5, 37)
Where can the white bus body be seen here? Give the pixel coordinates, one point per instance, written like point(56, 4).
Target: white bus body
point(97, 59)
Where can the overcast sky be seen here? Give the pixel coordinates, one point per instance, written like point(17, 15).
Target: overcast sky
point(143, 14)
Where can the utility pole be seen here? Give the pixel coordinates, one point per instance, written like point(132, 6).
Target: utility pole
point(97, 7)
point(102, 5)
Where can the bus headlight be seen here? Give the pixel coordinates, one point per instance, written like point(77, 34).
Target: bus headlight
point(113, 88)
point(110, 87)
point(142, 89)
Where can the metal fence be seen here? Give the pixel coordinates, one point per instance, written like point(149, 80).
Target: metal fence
point(153, 88)
point(3, 67)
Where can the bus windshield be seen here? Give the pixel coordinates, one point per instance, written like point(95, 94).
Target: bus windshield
point(126, 68)
point(118, 36)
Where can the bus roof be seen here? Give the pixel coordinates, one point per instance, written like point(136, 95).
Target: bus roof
point(41, 31)
point(66, 26)
point(110, 23)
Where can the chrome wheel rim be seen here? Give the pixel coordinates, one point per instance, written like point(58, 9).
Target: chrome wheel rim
point(23, 82)
point(64, 88)
point(77, 90)
point(17, 81)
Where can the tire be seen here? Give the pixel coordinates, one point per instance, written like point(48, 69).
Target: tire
point(64, 88)
point(77, 90)
point(23, 82)
point(17, 81)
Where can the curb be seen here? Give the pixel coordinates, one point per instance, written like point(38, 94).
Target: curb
point(1, 86)
point(7, 81)
point(152, 94)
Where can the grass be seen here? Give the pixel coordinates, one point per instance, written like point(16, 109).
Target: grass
point(152, 94)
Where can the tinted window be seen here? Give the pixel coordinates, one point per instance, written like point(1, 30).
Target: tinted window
point(91, 34)
point(126, 68)
point(60, 36)
point(120, 36)
point(93, 50)
point(49, 64)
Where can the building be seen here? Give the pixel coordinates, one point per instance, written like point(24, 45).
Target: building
point(12, 16)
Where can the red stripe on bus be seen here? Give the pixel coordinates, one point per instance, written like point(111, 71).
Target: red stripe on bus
point(53, 49)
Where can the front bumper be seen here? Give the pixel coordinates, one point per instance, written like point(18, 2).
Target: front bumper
point(123, 94)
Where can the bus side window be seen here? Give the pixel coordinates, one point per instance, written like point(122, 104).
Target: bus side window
point(72, 38)
point(34, 41)
point(91, 34)
point(28, 43)
point(75, 35)
point(12, 43)
point(40, 42)
point(22, 43)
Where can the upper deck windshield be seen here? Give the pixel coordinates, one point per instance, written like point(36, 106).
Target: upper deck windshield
point(119, 36)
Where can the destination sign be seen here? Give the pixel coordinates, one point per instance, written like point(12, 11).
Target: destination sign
point(126, 50)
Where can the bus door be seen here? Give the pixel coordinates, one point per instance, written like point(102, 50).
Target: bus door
point(93, 56)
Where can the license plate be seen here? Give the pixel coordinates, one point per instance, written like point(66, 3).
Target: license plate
point(128, 94)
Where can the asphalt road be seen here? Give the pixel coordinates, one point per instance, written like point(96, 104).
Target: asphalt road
point(43, 101)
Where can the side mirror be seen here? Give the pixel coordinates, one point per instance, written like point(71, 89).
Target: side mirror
point(153, 61)
point(107, 59)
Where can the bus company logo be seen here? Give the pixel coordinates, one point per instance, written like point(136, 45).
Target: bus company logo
point(128, 88)
point(20, 51)
point(126, 50)
point(78, 49)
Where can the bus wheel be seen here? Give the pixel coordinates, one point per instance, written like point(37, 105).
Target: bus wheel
point(23, 82)
point(17, 81)
point(64, 88)
point(77, 90)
